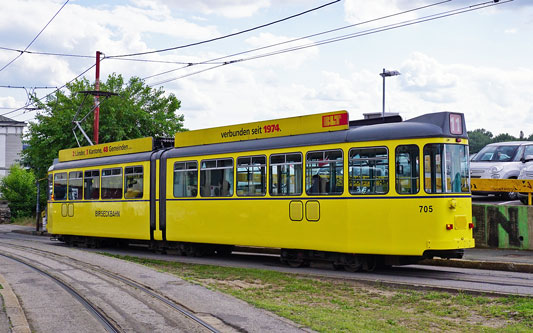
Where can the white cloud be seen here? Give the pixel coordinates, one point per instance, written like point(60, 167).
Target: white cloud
point(226, 8)
point(284, 60)
point(357, 11)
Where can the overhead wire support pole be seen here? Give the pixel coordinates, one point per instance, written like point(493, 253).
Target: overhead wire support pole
point(97, 100)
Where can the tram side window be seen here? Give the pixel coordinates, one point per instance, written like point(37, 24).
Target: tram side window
point(112, 183)
point(216, 178)
point(286, 174)
point(133, 178)
point(60, 186)
point(91, 185)
point(251, 175)
point(368, 170)
point(185, 179)
point(446, 168)
point(75, 185)
point(324, 172)
point(407, 169)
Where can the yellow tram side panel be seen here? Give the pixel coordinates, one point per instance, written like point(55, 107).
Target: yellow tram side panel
point(385, 224)
point(251, 220)
point(114, 218)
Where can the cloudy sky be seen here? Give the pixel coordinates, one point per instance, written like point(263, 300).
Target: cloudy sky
point(479, 63)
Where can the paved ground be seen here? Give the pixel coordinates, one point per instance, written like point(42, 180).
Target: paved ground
point(234, 312)
point(499, 259)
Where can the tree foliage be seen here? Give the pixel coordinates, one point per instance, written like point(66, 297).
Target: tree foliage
point(138, 111)
point(19, 189)
point(480, 137)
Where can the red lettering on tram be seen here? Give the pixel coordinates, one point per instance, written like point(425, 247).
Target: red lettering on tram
point(335, 120)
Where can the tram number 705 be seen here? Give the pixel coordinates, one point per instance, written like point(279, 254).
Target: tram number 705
point(426, 209)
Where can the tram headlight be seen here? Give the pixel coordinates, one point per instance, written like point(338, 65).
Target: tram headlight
point(452, 203)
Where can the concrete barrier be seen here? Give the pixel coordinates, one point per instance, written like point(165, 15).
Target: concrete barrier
point(504, 227)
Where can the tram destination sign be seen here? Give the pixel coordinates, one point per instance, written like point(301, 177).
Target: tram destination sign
point(315, 123)
point(107, 149)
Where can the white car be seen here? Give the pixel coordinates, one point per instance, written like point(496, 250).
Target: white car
point(502, 160)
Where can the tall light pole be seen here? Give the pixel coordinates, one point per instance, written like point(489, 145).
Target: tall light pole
point(385, 74)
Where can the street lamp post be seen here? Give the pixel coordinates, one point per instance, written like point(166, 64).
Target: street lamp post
point(385, 74)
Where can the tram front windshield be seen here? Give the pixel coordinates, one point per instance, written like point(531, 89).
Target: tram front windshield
point(446, 168)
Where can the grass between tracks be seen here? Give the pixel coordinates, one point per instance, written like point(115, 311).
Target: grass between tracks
point(328, 305)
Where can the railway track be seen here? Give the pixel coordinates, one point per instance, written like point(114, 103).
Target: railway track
point(176, 317)
point(450, 279)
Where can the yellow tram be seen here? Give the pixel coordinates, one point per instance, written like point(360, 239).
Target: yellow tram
point(318, 187)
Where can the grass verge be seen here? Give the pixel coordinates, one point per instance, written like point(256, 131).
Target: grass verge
point(25, 221)
point(348, 306)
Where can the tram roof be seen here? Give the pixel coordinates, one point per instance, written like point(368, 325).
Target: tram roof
point(425, 126)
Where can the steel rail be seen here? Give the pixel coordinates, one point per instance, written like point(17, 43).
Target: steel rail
point(133, 284)
point(100, 316)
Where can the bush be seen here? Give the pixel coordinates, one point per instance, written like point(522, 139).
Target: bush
point(19, 189)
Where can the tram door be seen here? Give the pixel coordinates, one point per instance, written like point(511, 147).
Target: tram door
point(74, 193)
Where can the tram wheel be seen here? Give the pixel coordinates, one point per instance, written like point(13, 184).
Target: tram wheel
point(369, 264)
point(297, 263)
point(352, 267)
point(338, 267)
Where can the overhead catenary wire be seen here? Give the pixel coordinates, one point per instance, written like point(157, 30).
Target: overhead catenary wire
point(53, 92)
point(345, 37)
point(118, 59)
point(225, 36)
point(35, 38)
point(302, 38)
point(23, 87)
point(331, 40)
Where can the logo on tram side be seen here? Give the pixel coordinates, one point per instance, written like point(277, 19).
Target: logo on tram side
point(335, 120)
point(106, 213)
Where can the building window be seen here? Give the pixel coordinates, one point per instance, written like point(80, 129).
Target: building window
point(407, 169)
point(133, 178)
point(251, 175)
point(368, 170)
point(286, 174)
point(75, 185)
point(91, 185)
point(60, 186)
point(216, 178)
point(112, 183)
point(324, 172)
point(185, 179)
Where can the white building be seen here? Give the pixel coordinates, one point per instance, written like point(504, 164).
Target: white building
point(10, 143)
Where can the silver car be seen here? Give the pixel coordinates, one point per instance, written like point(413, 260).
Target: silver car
point(526, 173)
point(502, 160)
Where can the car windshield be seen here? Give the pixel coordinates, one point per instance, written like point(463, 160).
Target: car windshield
point(496, 154)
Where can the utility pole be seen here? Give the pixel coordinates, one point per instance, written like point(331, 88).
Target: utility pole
point(97, 100)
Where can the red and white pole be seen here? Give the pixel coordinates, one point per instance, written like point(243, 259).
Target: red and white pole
point(97, 100)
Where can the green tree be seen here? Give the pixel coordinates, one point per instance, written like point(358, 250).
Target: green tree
point(19, 189)
point(138, 111)
point(478, 139)
point(504, 137)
